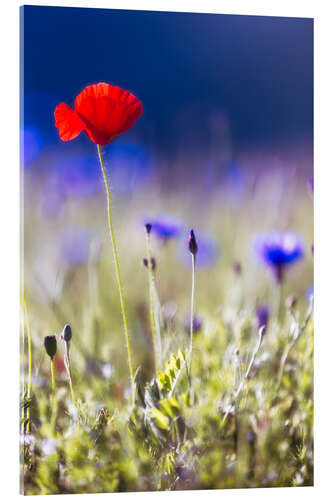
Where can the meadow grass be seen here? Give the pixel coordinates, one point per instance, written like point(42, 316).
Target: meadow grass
point(246, 419)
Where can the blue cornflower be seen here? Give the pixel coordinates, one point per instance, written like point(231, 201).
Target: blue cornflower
point(207, 251)
point(165, 226)
point(279, 250)
point(197, 324)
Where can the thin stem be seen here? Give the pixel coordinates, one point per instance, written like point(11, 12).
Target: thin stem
point(52, 376)
point(23, 342)
point(120, 286)
point(296, 336)
point(157, 306)
point(29, 361)
point(53, 400)
point(247, 373)
point(191, 318)
point(279, 301)
point(69, 370)
point(151, 300)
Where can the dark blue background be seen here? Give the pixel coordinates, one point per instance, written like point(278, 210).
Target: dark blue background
point(258, 70)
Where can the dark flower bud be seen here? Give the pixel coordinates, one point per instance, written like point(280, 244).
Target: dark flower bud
point(262, 316)
point(291, 302)
point(197, 324)
point(50, 343)
point(152, 261)
point(237, 268)
point(67, 333)
point(148, 227)
point(192, 243)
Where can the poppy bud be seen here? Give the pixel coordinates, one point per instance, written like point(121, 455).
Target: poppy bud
point(192, 243)
point(67, 333)
point(152, 261)
point(148, 227)
point(50, 343)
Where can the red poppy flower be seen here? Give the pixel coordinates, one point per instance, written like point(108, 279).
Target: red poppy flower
point(101, 110)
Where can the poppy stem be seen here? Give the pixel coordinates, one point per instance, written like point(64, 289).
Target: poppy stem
point(116, 261)
point(53, 400)
point(152, 305)
point(52, 376)
point(191, 318)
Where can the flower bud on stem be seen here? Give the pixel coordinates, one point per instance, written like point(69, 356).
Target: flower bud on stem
point(193, 248)
point(67, 336)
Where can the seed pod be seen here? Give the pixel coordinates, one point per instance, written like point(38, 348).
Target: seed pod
point(50, 343)
point(152, 261)
point(192, 243)
point(67, 333)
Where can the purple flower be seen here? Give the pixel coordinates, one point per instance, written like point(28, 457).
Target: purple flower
point(207, 253)
point(311, 185)
point(279, 250)
point(262, 316)
point(197, 324)
point(75, 246)
point(165, 226)
point(192, 243)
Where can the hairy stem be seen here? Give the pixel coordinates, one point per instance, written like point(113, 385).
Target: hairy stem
point(69, 370)
point(116, 261)
point(295, 338)
point(52, 376)
point(247, 373)
point(152, 306)
point(191, 318)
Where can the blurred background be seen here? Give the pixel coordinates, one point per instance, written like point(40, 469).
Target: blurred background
point(207, 81)
point(225, 145)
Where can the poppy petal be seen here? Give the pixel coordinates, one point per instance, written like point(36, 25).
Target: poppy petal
point(107, 111)
point(68, 122)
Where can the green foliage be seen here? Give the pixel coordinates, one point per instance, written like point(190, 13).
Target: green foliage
point(177, 435)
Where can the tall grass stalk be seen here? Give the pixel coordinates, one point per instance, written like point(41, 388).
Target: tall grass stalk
point(52, 376)
point(157, 355)
point(120, 286)
point(247, 373)
point(53, 399)
point(69, 371)
point(191, 316)
point(296, 330)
